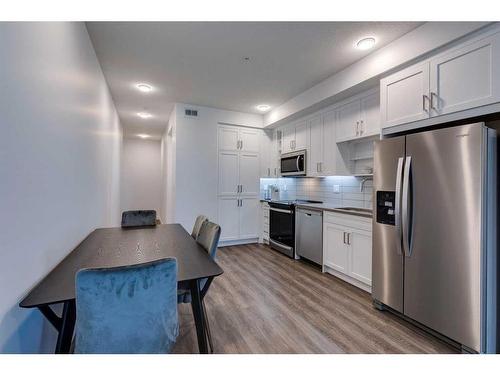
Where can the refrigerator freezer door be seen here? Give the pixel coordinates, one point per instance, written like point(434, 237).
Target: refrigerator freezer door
point(387, 264)
point(442, 271)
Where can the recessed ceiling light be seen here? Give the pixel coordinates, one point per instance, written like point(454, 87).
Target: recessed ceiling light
point(144, 115)
point(263, 107)
point(144, 87)
point(143, 136)
point(366, 43)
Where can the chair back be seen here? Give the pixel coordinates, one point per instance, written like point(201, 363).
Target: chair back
point(197, 225)
point(138, 218)
point(209, 237)
point(131, 309)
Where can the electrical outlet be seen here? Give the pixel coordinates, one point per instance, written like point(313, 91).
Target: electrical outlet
point(336, 188)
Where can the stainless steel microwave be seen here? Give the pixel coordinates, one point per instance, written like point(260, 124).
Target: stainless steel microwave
point(293, 163)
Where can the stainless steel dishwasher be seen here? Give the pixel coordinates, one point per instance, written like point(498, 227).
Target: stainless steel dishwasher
point(309, 234)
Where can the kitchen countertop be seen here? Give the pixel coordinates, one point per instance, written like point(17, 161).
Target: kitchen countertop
point(334, 208)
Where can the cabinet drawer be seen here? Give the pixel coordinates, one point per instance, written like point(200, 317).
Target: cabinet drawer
point(348, 220)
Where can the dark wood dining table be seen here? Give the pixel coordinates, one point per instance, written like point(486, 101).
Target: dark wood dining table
point(112, 247)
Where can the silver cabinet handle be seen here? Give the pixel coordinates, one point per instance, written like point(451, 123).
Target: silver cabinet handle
point(268, 172)
point(241, 202)
point(345, 243)
point(317, 167)
point(321, 166)
point(425, 98)
point(275, 172)
point(406, 219)
point(357, 128)
point(397, 204)
point(433, 94)
point(241, 188)
point(348, 238)
point(241, 145)
point(361, 128)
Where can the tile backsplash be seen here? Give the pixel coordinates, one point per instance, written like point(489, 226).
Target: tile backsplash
point(336, 190)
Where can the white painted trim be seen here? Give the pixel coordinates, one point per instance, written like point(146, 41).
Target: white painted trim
point(238, 242)
point(348, 279)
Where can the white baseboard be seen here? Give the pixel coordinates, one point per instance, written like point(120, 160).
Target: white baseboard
point(238, 242)
point(348, 279)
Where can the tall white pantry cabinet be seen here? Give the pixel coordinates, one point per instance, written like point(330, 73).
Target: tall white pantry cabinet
point(239, 171)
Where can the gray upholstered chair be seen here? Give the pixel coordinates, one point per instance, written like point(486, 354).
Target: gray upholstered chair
point(208, 238)
point(139, 218)
point(131, 309)
point(197, 225)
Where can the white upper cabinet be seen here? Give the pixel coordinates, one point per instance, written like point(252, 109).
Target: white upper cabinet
point(405, 96)
point(315, 155)
point(462, 78)
point(250, 140)
point(358, 118)
point(467, 77)
point(268, 155)
point(348, 121)
point(370, 115)
point(228, 138)
point(328, 166)
point(301, 136)
point(295, 137)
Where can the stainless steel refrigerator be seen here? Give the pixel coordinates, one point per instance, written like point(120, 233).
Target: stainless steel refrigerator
point(434, 237)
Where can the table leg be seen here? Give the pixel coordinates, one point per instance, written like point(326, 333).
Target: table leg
point(65, 336)
point(198, 314)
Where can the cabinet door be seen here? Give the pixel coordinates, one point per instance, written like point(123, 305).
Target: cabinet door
point(370, 115)
point(274, 156)
point(229, 172)
point(249, 217)
point(466, 78)
point(330, 148)
point(335, 251)
point(229, 218)
point(301, 136)
point(249, 173)
point(249, 140)
point(288, 139)
point(348, 121)
point(228, 138)
point(265, 155)
point(404, 96)
point(361, 256)
point(315, 155)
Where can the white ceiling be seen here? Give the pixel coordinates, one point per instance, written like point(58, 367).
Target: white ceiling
point(203, 63)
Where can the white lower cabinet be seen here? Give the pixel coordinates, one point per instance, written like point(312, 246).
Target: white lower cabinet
point(347, 248)
point(239, 218)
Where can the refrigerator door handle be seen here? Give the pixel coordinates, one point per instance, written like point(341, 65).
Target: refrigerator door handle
point(406, 212)
point(397, 205)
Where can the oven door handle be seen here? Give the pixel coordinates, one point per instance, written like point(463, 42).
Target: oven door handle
point(280, 210)
point(280, 245)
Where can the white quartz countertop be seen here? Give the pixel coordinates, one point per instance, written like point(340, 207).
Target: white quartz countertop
point(336, 208)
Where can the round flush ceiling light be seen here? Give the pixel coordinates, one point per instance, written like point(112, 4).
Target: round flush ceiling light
point(144, 87)
point(143, 136)
point(366, 43)
point(263, 107)
point(144, 115)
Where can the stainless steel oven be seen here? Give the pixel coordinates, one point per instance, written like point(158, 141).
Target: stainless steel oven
point(293, 163)
point(282, 227)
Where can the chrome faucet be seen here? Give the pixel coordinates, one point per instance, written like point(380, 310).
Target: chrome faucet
point(363, 181)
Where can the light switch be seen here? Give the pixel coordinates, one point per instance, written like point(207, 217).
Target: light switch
point(336, 188)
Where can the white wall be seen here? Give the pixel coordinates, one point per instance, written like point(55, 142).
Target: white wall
point(196, 160)
point(60, 145)
point(141, 175)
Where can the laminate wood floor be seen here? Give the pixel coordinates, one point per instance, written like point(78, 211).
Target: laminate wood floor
point(268, 303)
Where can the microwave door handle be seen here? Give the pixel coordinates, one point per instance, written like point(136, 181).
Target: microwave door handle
point(406, 212)
point(297, 162)
point(397, 205)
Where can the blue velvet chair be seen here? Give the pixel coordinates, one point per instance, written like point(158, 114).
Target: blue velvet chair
point(131, 309)
point(208, 238)
point(197, 226)
point(139, 218)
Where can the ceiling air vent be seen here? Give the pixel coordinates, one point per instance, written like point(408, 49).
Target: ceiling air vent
point(190, 112)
